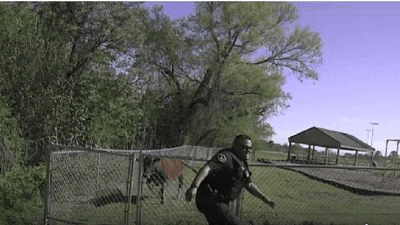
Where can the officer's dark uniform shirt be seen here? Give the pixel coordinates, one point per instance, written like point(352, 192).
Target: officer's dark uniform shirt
point(227, 177)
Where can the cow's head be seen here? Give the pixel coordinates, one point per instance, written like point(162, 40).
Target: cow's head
point(152, 171)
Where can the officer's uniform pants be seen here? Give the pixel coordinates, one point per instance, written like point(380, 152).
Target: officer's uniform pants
point(218, 213)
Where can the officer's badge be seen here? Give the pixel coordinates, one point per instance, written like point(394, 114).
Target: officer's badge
point(221, 158)
point(247, 174)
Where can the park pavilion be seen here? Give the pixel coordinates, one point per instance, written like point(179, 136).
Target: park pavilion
point(328, 139)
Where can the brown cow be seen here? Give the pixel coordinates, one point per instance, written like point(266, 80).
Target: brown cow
point(159, 171)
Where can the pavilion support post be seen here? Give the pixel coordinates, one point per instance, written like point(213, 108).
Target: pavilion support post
point(397, 149)
point(290, 148)
point(372, 159)
point(355, 160)
point(312, 154)
point(309, 153)
point(387, 141)
point(337, 156)
point(326, 156)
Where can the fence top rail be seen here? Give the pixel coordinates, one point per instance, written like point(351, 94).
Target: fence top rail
point(172, 152)
point(77, 149)
point(282, 165)
point(179, 157)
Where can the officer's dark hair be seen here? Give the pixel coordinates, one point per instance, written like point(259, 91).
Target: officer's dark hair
point(239, 140)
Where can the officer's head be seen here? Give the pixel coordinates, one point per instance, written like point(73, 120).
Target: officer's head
point(242, 147)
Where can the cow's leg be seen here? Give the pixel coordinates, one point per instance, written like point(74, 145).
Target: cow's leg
point(162, 193)
point(180, 185)
point(149, 182)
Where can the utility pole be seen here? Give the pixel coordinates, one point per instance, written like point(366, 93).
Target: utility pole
point(372, 133)
point(368, 130)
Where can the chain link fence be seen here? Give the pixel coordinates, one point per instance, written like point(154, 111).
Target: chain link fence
point(108, 187)
point(88, 186)
point(83, 183)
point(323, 195)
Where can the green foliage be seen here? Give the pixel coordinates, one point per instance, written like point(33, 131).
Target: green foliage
point(20, 199)
point(31, 64)
point(211, 86)
point(11, 144)
point(56, 73)
point(115, 118)
point(117, 75)
point(247, 94)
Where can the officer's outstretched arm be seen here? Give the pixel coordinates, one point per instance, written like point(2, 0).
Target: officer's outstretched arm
point(201, 175)
point(253, 189)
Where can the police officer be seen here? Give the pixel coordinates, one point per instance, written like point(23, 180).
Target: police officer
point(221, 180)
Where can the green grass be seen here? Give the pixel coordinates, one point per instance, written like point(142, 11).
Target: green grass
point(299, 201)
point(282, 156)
point(276, 156)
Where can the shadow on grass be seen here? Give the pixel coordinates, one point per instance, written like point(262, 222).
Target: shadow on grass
point(355, 190)
point(116, 197)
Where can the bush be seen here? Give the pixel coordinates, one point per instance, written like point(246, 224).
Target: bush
point(20, 200)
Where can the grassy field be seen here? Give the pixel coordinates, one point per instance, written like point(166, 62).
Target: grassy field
point(304, 201)
point(275, 156)
point(281, 156)
point(300, 201)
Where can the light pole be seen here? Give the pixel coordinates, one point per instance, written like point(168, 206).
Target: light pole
point(368, 131)
point(372, 133)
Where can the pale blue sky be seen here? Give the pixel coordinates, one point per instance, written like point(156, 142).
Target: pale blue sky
point(360, 75)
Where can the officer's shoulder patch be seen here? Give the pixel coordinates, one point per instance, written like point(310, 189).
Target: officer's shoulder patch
point(221, 157)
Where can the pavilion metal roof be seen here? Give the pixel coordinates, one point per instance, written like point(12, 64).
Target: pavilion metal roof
point(330, 139)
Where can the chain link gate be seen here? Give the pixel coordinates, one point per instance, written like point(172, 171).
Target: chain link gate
point(90, 186)
point(173, 209)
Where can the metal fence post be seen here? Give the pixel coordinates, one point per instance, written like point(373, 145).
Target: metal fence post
point(132, 159)
point(98, 174)
point(47, 186)
point(140, 190)
point(194, 153)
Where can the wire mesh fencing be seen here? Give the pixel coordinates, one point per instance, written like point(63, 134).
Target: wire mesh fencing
point(168, 174)
point(82, 183)
point(323, 195)
point(89, 186)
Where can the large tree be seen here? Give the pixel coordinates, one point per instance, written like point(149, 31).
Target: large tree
point(220, 72)
point(114, 74)
point(58, 72)
point(94, 105)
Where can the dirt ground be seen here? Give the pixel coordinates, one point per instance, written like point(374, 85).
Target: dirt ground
point(357, 181)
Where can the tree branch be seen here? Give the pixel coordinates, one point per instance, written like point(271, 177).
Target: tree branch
point(242, 93)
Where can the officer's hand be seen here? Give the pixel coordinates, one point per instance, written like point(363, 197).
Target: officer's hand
point(190, 193)
point(269, 202)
